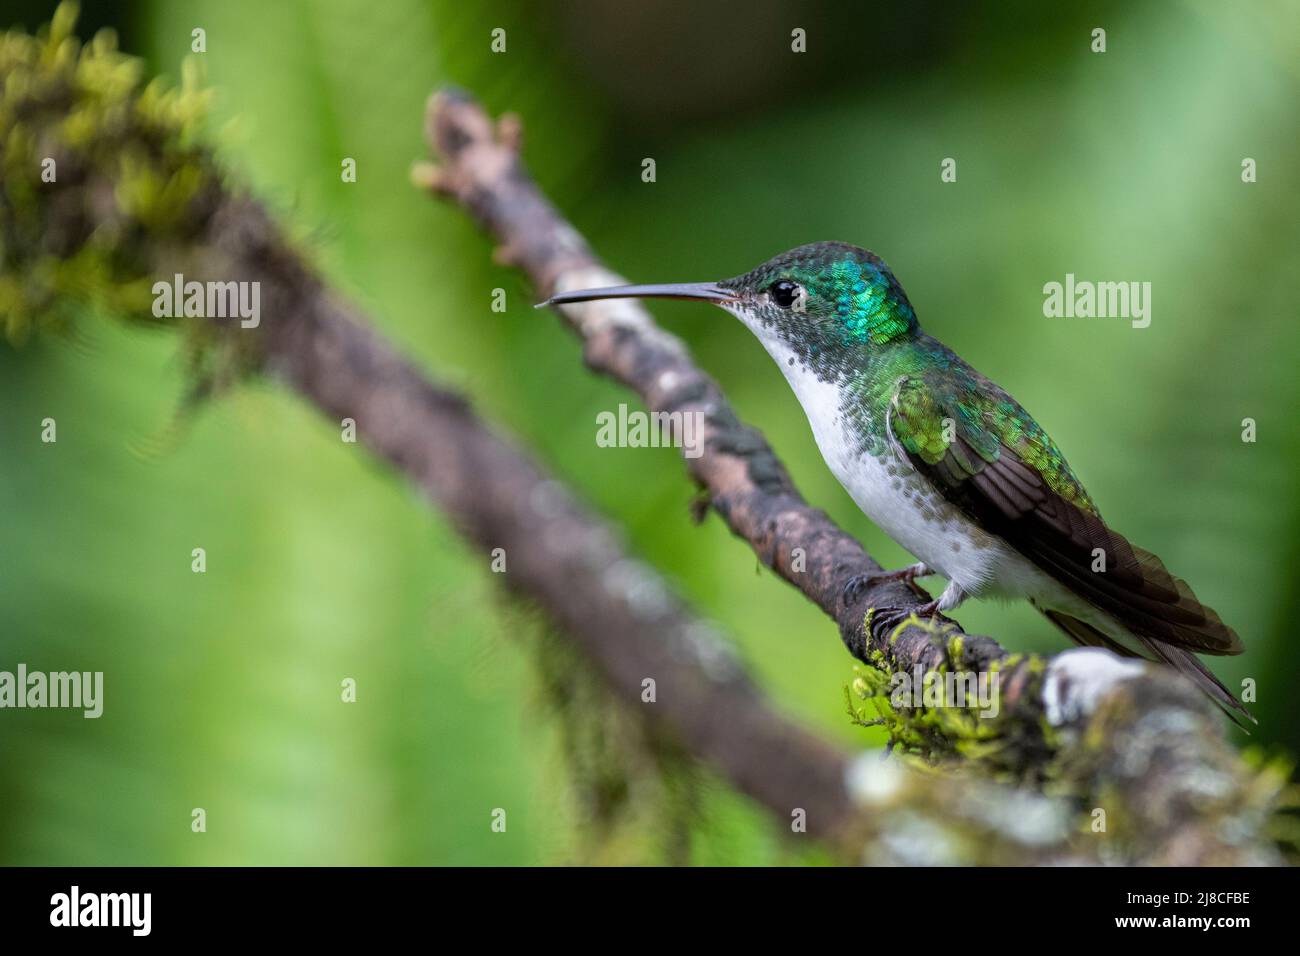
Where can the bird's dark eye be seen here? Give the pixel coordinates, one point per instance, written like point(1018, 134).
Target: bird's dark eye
point(784, 293)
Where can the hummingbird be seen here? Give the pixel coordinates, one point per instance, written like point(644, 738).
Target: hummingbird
point(949, 465)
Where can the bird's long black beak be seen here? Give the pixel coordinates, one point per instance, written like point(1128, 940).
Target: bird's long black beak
point(697, 291)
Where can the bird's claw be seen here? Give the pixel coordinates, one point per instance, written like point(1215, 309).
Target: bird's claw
point(908, 575)
point(886, 619)
point(929, 609)
point(853, 586)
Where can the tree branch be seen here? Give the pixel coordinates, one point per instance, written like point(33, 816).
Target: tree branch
point(747, 485)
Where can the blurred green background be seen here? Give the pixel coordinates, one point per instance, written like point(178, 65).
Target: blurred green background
point(222, 689)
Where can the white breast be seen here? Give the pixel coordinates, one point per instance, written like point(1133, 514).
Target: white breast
point(900, 501)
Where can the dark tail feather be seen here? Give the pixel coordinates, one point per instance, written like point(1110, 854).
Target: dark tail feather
point(1085, 634)
point(1137, 590)
point(1185, 662)
point(1189, 665)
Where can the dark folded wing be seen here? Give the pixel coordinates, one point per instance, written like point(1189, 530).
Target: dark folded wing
point(988, 458)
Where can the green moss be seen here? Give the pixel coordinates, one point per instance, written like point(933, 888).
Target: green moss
point(102, 177)
point(940, 728)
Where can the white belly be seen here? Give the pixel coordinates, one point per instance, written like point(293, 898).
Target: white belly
point(903, 504)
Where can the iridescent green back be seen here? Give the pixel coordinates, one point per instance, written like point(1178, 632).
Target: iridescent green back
point(944, 397)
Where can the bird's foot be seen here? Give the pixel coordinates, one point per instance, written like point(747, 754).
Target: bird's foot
point(892, 617)
point(908, 575)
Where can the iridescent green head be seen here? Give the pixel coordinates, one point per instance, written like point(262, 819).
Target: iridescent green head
point(822, 302)
point(831, 293)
